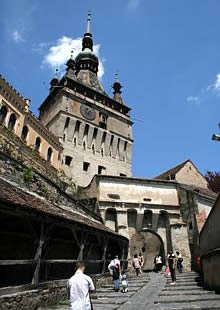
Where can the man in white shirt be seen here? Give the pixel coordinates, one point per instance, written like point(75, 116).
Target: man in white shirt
point(79, 287)
point(113, 263)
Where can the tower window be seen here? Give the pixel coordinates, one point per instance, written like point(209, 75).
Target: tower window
point(84, 145)
point(102, 152)
point(68, 160)
point(74, 141)
point(3, 113)
point(24, 133)
point(67, 122)
point(49, 154)
point(86, 166)
point(93, 149)
point(37, 144)
point(11, 123)
point(101, 170)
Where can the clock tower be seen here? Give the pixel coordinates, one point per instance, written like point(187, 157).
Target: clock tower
point(94, 129)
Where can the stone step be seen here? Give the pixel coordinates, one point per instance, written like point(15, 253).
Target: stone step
point(195, 284)
point(191, 299)
point(187, 293)
point(106, 307)
point(115, 295)
point(202, 305)
point(130, 285)
point(182, 288)
point(108, 290)
point(110, 301)
point(186, 280)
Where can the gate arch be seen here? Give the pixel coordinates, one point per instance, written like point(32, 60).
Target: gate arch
point(150, 244)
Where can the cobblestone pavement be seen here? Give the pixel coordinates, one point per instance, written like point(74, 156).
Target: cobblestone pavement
point(153, 291)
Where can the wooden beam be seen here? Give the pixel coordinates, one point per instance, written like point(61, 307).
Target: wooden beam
point(84, 237)
point(35, 278)
point(17, 262)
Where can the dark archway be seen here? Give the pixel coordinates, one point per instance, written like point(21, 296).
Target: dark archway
point(150, 244)
point(3, 114)
point(12, 121)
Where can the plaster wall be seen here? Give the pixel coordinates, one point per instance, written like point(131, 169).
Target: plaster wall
point(131, 191)
point(190, 175)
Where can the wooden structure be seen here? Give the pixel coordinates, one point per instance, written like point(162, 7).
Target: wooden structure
point(41, 242)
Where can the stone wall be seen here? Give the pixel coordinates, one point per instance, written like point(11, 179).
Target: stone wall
point(53, 188)
point(46, 294)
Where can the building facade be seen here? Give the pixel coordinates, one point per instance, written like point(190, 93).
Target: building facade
point(16, 117)
point(94, 129)
point(155, 215)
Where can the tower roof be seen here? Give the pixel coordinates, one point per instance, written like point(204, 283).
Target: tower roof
point(87, 62)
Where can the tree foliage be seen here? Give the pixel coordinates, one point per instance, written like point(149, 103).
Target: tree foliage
point(213, 179)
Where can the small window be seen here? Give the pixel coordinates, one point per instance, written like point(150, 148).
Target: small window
point(74, 141)
point(122, 175)
point(93, 149)
point(37, 144)
point(68, 160)
point(101, 170)
point(67, 122)
point(86, 166)
point(190, 226)
point(64, 137)
point(102, 152)
point(24, 133)
point(49, 154)
point(114, 196)
point(3, 113)
point(147, 199)
point(84, 145)
point(172, 177)
point(11, 123)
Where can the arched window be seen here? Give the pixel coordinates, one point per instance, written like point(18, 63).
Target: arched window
point(49, 154)
point(37, 144)
point(24, 133)
point(3, 113)
point(11, 123)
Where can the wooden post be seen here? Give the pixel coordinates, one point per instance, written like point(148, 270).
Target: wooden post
point(104, 254)
point(82, 245)
point(35, 278)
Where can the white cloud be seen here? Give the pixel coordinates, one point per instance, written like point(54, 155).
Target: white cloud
point(193, 99)
point(216, 85)
point(133, 4)
point(60, 52)
point(17, 37)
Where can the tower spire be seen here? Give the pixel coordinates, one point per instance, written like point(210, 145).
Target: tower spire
point(88, 22)
point(87, 42)
point(117, 90)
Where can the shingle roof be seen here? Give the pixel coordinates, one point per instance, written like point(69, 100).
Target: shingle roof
point(15, 196)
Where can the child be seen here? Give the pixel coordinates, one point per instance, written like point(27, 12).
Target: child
point(124, 282)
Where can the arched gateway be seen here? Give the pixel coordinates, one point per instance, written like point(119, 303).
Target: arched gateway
point(150, 244)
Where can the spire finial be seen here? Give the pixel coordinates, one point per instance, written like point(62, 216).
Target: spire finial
point(116, 77)
point(88, 22)
point(56, 73)
point(71, 53)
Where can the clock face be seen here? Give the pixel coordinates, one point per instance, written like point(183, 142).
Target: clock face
point(87, 112)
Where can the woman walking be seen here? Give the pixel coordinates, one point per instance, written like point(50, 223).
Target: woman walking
point(179, 262)
point(172, 264)
point(136, 264)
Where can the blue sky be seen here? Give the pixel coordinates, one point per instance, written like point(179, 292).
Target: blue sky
point(167, 54)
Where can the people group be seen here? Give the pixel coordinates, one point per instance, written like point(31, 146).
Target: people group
point(80, 285)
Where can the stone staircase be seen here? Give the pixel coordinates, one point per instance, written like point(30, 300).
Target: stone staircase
point(188, 293)
point(108, 299)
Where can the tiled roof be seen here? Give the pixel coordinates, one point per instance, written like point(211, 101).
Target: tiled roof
point(17, 197)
